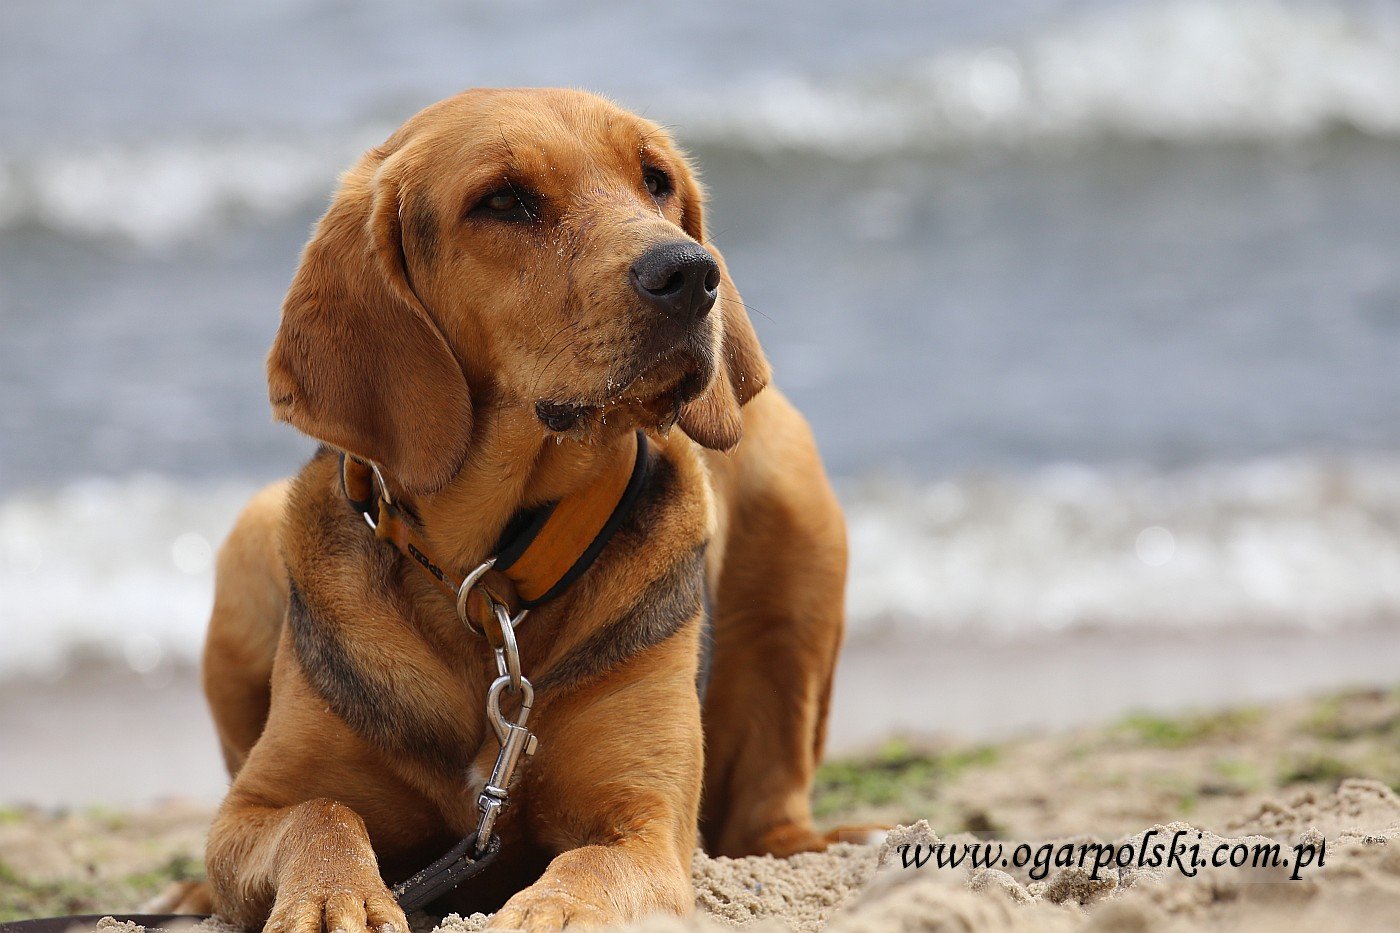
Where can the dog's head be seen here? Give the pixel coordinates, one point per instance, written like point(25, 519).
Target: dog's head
point(534, 248)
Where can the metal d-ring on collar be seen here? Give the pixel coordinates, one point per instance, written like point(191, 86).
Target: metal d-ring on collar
point(383, 492)
point(508, 655)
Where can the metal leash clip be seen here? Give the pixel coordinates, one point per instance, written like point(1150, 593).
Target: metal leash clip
point(469, 857)
point(516, 740)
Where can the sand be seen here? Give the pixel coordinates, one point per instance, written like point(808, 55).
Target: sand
point(865, 889)
point(1254, 775)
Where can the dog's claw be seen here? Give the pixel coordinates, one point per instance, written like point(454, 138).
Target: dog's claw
point(342, 909)
point(548, 911)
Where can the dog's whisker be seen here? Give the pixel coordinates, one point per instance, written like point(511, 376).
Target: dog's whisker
point(568, 345)
point(544, 370)
point(745, 306)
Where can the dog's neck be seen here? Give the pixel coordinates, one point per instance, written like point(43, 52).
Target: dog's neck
point(513, 464)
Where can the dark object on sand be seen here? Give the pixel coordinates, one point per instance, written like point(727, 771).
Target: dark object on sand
point(82, 923)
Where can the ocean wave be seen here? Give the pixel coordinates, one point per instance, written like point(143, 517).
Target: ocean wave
point(1190, 71)
point(124, 569)
point(116, 569)
point(1299, 543)
point(164, 193)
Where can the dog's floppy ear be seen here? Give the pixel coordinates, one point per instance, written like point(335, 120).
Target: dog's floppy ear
point(357, 362)
point(713, 418)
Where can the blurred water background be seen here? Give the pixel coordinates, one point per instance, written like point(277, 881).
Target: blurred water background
point(1094, 304)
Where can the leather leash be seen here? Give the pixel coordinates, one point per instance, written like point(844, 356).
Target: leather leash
point(81, 923)
point(542, 552)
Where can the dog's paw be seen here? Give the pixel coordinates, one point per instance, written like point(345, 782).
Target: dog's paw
point(182, 897)
point(868, 835)
point(791, 838)
point(337, 908)
point(545, 909)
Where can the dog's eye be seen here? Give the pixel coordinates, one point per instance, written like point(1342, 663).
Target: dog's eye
point(502, 201)
point(509, 203)
point(657, 182)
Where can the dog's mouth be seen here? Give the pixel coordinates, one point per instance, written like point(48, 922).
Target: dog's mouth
point(649, 393)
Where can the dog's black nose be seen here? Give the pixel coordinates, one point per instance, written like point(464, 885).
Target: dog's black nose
point(679, 279)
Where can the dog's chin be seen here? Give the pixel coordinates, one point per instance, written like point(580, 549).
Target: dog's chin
point(651, 397)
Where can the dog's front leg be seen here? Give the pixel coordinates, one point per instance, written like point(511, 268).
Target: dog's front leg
point(615, 790)
point(298, 869)
point(289, 850)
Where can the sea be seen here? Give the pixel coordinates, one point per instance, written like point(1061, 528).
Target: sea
point(1093, 305)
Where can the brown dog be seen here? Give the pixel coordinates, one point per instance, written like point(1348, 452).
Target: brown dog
point(497, 299)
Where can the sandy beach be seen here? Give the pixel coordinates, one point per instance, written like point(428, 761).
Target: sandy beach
point(1299, 772)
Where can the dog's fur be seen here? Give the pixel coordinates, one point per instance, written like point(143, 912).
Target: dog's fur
point(421, 333)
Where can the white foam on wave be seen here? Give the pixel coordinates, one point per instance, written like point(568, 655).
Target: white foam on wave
point(123, 569)
point(114, 568)
point(163, 193)
point(1188, 71)
point(1293, 543)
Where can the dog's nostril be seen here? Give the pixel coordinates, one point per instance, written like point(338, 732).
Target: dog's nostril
point(712, 279)
point(671, 286)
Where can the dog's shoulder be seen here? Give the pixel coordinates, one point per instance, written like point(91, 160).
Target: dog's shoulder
point(345, 613)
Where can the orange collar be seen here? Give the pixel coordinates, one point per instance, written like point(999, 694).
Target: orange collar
point(542, 552)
